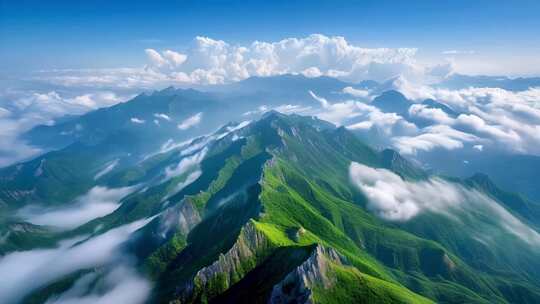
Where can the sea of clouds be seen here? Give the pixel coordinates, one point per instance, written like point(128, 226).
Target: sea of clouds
point(27, 271)
point(487, 116)
point(492, 118)
point(97, 202)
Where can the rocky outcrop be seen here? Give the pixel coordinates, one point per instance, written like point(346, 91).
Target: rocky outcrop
point(182, 217)
point(296, 233)
point(297, 286)
point(392, 160)
point(25, 227)
point(16, 195)
point(250, 248)
point(188, 217)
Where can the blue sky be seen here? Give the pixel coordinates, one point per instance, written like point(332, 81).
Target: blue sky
point(97, 34)
point(69, 57)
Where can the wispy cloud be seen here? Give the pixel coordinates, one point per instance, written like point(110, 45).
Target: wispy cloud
point(497, 118)
point(22, 110)
point(185, 164)
point(432, 137)
point(137, 120)
point(120, 285)
point(30, 270)
point(99, 201)
point(358, 115)
point(458, 52)
point(108, 168)
point(190, 121)
point(394, 199)
point(284, 108)
point(162, 116)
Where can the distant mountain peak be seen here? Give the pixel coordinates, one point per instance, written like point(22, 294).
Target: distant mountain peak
point(392, 101)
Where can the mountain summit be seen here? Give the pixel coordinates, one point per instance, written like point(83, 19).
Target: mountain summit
point(282, 209)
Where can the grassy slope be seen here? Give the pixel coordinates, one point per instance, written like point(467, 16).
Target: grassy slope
point(322, 205)
point(303, 198)
point(285, 210)
point(305, 186)
point(354, 233)
point(352, 286)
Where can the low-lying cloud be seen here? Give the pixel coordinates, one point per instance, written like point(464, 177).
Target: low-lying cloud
point(498, 118)
point(99, 201)
point(190, 122)
point(194, 151)
point(494, 118)
point(284, 108)
point(358, 115)
point(20, 110)
point(432, 137)
point(30, 270)
point(119, 285)
point(187, 163)
point(193, 176)
point(356, 92)
point(395, 199)
point(107, 169)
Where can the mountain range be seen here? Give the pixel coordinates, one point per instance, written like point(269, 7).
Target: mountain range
point(225, 196)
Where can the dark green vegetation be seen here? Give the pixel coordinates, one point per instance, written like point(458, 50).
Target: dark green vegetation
point(17, 235)
point(273, 215)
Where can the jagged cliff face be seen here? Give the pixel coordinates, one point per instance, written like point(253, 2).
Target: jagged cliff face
point(305, 185)
point(181, 219)
point(186, 217)
point(249, 249)
point(297, 286)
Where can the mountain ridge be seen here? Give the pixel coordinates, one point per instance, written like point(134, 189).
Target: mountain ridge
point(226, 208)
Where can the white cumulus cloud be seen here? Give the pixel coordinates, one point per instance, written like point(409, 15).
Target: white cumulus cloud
point(356, 92)
point(214, 61)
point(437, 136)
point(174, 57)
point(155, 58)
point(432, 114)
point(505, 120)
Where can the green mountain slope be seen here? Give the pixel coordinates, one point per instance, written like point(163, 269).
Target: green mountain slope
point(306, 198)
point(272, 216)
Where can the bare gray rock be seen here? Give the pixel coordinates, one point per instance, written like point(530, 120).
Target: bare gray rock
point(297, 286)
